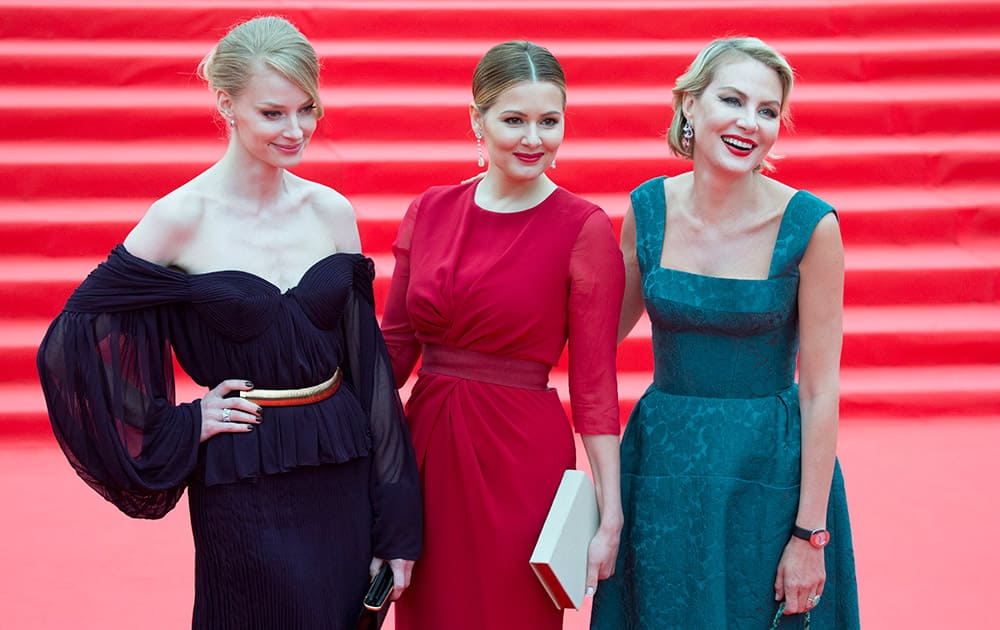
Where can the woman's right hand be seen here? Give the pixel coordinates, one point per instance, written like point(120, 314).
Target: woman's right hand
point(401, 572)
point(228, 415)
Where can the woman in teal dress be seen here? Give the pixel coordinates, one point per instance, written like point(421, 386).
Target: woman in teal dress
point(735, 511)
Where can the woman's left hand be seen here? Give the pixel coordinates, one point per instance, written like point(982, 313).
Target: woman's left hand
point(401, 571)
point(801, 576)
point(601, 558)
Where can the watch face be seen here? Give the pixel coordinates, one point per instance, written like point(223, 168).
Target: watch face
point(819, 539)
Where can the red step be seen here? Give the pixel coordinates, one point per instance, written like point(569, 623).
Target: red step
point(868, 217)
point(369, 62)
point(107, 169)
point(875, 276)
point(897, 108)
point(894, 392)
point(495, 19)
point(910, 335)
point(959, 334)
point(624, 111)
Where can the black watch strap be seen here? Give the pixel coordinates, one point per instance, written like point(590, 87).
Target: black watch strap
point(801, 532)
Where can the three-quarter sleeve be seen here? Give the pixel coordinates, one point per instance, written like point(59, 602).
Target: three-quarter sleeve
point(395, 491)
point(108, 383)
point(404, 348)
point(597, 285)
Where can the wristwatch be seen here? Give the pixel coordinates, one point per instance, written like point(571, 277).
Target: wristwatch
point(818, 538)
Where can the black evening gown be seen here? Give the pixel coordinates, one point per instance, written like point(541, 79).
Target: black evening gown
point(286, 517)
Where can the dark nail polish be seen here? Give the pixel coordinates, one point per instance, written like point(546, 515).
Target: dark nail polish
point(249, 427)
point(249, 384)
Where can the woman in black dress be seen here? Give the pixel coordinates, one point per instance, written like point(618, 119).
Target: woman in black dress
point(299, 468)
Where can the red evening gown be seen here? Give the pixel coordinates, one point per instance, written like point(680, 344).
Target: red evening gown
point(487, 302)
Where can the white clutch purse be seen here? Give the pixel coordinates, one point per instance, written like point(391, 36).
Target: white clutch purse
point(560, 556)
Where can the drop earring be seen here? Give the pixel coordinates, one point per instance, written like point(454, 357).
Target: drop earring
point(687, 136)
point(479, 149)
point(232, 123)
point(553, 163)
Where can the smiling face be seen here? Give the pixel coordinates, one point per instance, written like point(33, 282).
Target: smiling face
point(737, 117)
point(273, 118)
point(522, 129)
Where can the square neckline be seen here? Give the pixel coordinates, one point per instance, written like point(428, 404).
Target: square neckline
point(663, 230)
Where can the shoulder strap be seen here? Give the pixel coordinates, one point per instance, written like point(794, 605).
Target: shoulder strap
point(804, 211)
point(649, 208)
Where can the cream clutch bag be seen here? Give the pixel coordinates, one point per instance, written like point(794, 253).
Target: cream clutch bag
point(560, 556)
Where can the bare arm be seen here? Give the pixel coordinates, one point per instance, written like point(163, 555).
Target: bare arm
point(632, 304)
point(801, 572)
point(603, 454)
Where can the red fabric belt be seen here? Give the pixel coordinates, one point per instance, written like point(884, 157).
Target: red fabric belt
point(488, 368)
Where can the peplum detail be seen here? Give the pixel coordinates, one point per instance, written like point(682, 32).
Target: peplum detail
point(331, 431)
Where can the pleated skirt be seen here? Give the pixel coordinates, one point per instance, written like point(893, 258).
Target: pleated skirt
point(282, 551)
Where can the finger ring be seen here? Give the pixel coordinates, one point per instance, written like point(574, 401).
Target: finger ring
point(226, 412)
point(816, 600)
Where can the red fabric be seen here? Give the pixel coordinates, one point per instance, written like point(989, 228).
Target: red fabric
point(491, 456)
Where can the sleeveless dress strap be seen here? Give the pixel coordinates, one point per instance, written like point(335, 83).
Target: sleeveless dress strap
point(649, 208)
point(804, 211)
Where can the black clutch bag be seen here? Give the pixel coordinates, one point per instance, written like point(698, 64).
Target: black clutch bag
point(375, 605)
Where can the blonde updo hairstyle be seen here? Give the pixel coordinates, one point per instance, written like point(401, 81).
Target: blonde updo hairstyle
point(268, 40)
point(702, 70)
point(507, 64)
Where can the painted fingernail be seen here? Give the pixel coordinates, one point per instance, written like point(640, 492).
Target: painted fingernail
point(248, 384)
point(249, 427)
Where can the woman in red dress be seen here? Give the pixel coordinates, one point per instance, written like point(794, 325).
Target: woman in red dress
point(492, 278)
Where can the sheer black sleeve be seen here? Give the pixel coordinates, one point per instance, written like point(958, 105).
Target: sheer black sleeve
point(108, 384)
point(398, 527)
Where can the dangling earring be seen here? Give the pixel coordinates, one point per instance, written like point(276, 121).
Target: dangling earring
point(688, 134)
point(232, 123)
point(553, 163)
point(479, 149)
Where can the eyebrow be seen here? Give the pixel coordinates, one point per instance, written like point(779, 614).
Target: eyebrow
point(744, 95)
point(274, 105)
point(520, 113)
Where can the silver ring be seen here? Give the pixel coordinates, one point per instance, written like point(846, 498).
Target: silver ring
point(226, 412)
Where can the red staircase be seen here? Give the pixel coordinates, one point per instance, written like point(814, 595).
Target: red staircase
point(897, 108)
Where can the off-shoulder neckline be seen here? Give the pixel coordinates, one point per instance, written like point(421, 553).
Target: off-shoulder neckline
point(178, 273)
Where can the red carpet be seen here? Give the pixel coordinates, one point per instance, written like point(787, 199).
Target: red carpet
point(897, 109)
point(922, 498)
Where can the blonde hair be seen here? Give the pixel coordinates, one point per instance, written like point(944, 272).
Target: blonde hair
point(270, 40)
point(507, 64)
point(702, 70)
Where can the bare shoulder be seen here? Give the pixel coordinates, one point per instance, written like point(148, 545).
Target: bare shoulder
point(167, 226)
point(334, 211)
point(825, 245)
point(679, 185)
point(331, 203)
point(778, 193)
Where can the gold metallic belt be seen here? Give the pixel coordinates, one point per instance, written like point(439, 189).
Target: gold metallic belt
point(290, 397)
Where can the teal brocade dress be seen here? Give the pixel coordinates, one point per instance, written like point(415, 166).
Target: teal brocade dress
point(710, 456)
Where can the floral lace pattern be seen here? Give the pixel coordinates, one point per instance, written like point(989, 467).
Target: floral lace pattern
point(710, 456)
